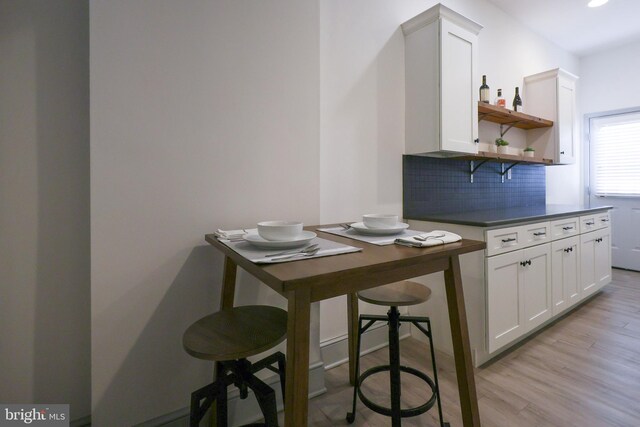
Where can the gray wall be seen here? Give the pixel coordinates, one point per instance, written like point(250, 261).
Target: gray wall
point(44, 203)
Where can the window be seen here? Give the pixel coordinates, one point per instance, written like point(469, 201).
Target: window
point(615, 154)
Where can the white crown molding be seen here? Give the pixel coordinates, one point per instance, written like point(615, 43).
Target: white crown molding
point(434, 14)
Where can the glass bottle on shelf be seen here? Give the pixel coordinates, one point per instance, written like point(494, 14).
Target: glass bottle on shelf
point(500, 101)
point(484, 90)
point(517, 101)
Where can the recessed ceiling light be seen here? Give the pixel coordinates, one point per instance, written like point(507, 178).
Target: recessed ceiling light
point(596, 3)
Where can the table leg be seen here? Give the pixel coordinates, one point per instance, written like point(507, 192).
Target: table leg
point(228, 283)
point(352, 334)
point(226, 301)
point(297, 379)
point(461, 345)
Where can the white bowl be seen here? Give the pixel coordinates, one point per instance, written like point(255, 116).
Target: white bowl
point(380, 220)
point(279, 231)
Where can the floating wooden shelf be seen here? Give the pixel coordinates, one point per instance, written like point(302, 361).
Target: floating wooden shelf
point(502, 116)
point(505, 158)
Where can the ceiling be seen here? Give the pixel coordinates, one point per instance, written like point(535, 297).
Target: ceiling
point(575, 27)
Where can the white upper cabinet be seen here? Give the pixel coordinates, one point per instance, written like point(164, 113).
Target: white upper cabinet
point(552, 95)
point(441, 51)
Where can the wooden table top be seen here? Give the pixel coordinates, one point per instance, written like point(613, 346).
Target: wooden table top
point(345, 273)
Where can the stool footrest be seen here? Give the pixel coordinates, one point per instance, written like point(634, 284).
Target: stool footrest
point(409, 412)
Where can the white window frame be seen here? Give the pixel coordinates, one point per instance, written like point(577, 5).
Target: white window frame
point(588, 160)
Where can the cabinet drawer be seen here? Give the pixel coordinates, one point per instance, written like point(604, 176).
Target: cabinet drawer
point(537, 233)
point(505, 240)
point(565, 227)
point(594, 221)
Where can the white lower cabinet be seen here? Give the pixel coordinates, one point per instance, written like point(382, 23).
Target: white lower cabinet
point(595, 262)
point(530, 273)
point(565, 271)
point(519, 293)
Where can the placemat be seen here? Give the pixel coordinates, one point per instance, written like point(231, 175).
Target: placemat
point(376, 240)
point(259, 255)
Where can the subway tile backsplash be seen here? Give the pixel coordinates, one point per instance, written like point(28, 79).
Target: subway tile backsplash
point(435, 186)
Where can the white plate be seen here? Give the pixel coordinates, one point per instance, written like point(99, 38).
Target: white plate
point(363, 229)
point(304, 238)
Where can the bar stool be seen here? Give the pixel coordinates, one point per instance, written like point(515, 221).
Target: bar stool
point(395, 295)
point(228, 337)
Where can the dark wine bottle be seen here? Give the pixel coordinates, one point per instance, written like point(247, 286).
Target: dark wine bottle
point(517, 102)
point(484, 90)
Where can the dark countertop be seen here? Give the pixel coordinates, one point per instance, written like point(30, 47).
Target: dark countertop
point(498, 217)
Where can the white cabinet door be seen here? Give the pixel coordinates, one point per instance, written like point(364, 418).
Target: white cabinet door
point(552, 95)
point(505, 307)
point(566, 120)
point(587, 263)
point(459, 109)
point(565, 273)
point(603, 258)
point(536, 286)
point(441, 109)
point(595, 261)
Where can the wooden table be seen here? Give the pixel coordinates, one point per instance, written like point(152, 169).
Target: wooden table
point(306, 281)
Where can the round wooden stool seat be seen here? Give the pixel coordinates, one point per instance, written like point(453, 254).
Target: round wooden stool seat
point(396, 294)
point(236, 333)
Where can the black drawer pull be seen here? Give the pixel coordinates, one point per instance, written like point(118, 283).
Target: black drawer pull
point(567, 228)
point(599, 239)
point(541, 233)
point(567, 250)
point(510, 239)
point(604, 220)
point(589, 223)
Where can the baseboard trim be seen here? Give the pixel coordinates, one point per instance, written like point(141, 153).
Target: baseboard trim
point(335, 351)
point(245, 411)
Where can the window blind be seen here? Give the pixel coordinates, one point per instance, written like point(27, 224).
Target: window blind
point(615, 151)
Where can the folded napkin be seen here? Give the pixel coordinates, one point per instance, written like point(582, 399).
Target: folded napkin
point(233, 234)
point(432, 238)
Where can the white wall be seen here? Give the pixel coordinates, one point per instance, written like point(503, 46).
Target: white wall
point(609, 79)
point(362, 105)
point(204, 115)
point(44, 208)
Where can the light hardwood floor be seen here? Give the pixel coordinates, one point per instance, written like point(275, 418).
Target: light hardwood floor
point(583, 370)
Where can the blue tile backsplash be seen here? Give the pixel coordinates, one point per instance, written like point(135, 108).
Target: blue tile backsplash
point(436, 186)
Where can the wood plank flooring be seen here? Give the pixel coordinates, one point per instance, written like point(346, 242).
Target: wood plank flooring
point(583, 371)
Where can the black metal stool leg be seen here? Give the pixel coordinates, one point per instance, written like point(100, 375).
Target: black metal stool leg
point(207, 393)
point(394, 365)
point(435, 373)
point(266, 399)
point(351, 416)
point(282, 368)
point(221, 405)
